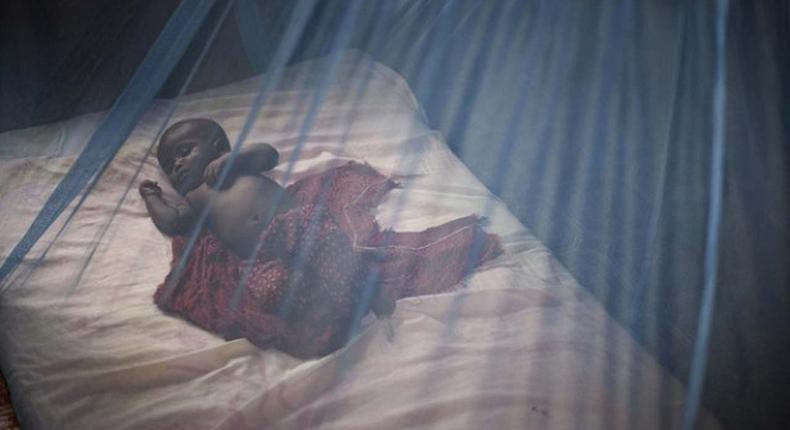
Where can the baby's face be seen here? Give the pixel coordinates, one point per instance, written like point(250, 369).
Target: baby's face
point(186, 159)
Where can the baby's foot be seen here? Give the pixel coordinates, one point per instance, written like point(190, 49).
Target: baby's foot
point(382, 304)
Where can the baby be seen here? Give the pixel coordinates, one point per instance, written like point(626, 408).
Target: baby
point(291, 268)
point(193, 154)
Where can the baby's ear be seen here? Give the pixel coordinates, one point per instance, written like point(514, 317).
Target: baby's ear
point(220, 146)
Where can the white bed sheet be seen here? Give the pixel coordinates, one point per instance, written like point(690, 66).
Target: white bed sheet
point(521, 347)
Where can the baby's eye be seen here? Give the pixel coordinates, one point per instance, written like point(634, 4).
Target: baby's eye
point(185, 150)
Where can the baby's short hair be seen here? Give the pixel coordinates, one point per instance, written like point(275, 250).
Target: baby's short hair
point(202, 128)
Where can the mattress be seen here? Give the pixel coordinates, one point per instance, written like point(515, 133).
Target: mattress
point(518, 345)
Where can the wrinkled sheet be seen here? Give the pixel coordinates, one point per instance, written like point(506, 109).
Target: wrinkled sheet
point(521, 346)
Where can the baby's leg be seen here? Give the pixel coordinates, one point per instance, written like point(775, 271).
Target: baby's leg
point(435, 260)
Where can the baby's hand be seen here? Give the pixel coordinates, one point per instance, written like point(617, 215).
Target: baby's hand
point(149, 188)
point(214, 170)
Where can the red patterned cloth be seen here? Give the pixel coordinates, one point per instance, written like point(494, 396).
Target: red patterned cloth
point(318, 266)
point(7, 417)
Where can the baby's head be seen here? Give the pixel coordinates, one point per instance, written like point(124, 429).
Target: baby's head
point(187, 147)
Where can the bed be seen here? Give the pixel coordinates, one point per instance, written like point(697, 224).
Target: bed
point(518, 345)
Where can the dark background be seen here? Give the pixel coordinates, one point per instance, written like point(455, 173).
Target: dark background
point(608, 163)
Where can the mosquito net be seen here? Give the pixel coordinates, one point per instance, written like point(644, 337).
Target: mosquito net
point(409, 213)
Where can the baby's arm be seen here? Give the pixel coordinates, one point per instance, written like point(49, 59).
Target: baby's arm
point(251, 159)
point(170, 218)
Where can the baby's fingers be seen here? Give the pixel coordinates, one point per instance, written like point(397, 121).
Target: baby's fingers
point(149, 187)
point(210, 174)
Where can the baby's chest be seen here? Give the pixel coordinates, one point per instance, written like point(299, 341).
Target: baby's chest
point(244, 194)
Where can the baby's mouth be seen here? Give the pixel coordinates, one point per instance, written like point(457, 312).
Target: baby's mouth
point(182, 180)
point(182, 177)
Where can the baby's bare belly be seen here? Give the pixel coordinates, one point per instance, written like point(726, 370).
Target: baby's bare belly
point(241, 211)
